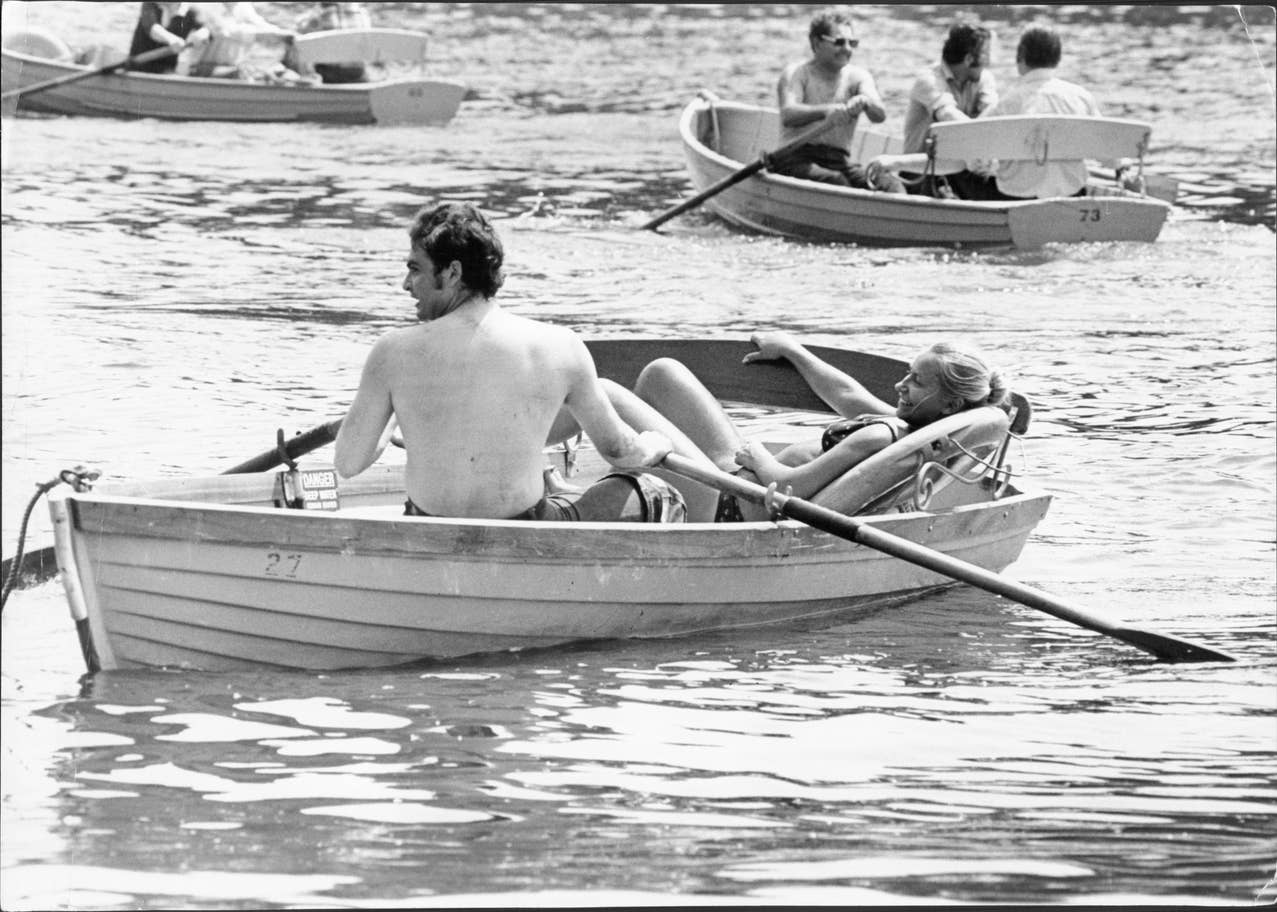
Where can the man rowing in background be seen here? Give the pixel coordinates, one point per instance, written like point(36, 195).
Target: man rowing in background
point(478, 392)
point(828, 86)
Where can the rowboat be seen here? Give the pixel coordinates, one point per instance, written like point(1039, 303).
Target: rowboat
point(211, 573)
point(720, 138)
point(29, 58)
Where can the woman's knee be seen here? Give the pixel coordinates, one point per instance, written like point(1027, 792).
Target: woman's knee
point(663, 376)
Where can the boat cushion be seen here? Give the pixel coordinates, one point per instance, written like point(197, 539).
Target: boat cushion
point(884, 481)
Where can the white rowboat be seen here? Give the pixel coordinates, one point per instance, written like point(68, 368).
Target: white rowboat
point(208, 573)
point(720, 138)
point(30, 58)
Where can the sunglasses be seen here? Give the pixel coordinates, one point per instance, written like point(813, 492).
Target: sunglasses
point(851, 43)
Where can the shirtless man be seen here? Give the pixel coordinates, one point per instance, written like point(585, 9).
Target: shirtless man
point(477, 394)
point(827, 86)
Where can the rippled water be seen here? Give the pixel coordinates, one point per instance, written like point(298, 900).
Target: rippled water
point(173, 293)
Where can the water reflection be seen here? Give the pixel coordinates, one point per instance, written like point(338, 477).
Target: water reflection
point(735, 743)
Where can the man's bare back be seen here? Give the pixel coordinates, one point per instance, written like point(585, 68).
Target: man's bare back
point(503, 379)
point(476, 391)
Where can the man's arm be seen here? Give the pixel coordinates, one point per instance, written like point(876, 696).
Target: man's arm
point(589, 404)
point(871, 100)
point(367, 427)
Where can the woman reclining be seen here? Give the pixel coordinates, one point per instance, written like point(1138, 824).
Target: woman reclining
point(942, 380)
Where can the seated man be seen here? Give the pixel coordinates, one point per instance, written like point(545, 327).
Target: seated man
point(828, 87)
point(1038, 91)
point(236, 27)
point(172, 25)
point(959, 87)
point(327, 17)
point(478, 393)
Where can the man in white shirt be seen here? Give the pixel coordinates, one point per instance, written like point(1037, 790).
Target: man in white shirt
point(1040, 91)
point(959, 87)
point(1037, 91)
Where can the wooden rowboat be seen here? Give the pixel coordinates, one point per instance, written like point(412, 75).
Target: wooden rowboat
point(719, 138)
point(209, 573)
point(30, 58)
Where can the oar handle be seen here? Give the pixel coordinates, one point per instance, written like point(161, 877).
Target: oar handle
point(736, 177)
point(1161, 645)
point(294, 447)
point(147, 57)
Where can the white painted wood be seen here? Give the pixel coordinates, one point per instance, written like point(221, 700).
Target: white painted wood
point(376, 45)
point(1040, 138)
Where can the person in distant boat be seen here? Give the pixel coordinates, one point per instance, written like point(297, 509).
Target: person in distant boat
point(478, 392)
point(174, 25)
point(959, 87)
point(330, 17)
point(235, 28)
point(1037, 91)
point(668, 397)
point(828, 87)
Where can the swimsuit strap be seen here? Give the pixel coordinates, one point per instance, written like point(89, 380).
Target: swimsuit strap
point(838, 431)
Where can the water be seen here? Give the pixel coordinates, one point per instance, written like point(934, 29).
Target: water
point(173, 293)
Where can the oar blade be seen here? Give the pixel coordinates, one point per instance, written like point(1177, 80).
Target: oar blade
point(1169, 648)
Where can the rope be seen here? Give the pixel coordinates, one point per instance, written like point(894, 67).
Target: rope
point(79, 478)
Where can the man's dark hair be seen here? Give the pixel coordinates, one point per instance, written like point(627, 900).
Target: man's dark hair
point(459, 231)
point(825, 22)
point(1039, 48)
point(964, 39)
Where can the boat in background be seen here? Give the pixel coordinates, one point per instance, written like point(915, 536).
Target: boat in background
point(219, 574)
point(720, 138)
point(32, 57)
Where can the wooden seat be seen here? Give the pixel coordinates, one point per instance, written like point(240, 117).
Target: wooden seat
point(1037, 138)
point(376, 45)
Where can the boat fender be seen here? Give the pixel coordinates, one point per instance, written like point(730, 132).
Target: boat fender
point(38, 42)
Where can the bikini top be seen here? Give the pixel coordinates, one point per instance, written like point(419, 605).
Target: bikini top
point(835, 433)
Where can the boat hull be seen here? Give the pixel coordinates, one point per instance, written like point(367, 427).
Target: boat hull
point(223, 587)
point(137, 95)
point(721, 138)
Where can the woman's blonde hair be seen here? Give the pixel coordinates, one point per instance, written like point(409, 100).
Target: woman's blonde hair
point(966, 375)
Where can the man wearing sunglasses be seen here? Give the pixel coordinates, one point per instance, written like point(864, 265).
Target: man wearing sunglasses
point(829, 87)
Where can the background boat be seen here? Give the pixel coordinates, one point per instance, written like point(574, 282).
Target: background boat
point(25, 62)
point(720, 138)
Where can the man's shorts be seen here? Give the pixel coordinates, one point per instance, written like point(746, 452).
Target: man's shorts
point(661, 502)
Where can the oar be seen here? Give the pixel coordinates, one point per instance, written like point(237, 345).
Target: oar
point(801, 140)
point(146, 57)
point(1169, 648)
point(35, 567)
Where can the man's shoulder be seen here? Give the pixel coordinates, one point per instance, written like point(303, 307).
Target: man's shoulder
point(795, 69)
